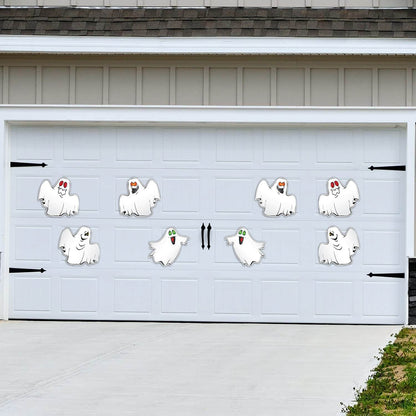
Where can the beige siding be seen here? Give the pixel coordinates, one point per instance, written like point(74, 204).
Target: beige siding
point(324, 86)
point(247, 81)
point(215, 3)
point(358, 87)
point(391, 87)
point(189, 86)
point(122, 85)
point(256, 86)
point(55, 85)
point(89, 85)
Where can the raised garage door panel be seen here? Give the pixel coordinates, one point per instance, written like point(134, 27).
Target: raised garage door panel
point(210, 175)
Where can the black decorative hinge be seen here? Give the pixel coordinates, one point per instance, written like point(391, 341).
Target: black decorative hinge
point(396, 167)
point(26, 164)
point(20, 270)
point(395, 275)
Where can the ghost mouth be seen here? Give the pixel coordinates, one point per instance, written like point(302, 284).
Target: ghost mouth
point(85, 235)
point(172, 239)
point(280, 189)
point(335, 192)
point(240, 240)
point(61, 192)
point(134, 189)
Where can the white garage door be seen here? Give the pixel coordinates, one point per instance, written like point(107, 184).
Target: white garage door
point(208, 175)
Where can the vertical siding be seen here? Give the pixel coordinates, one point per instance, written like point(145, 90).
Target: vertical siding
point(209, 82)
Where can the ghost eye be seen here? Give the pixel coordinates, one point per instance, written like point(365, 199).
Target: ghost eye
point(336, 183)
point(173, 232)
point(170, 232)
point(240, 232)
point(332, 184)
point(244, 233)
point(60, 183)
point(65, 184)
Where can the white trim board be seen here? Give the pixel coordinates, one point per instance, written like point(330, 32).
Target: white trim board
point(205, 46)
point(180, 115)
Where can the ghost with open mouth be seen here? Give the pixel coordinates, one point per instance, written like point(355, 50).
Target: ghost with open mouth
point(247, 250)
point(56, 200)
point(141, 199)
point(77, 248)
point(274, 199)
point(340, 200)
point(339, 248)
point(166, 250)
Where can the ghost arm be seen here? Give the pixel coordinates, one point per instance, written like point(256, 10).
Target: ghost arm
point(232, 239)
point(351, 238)
point(125, 205)
point(326, 254)
point(72, 205)
point(66, 241)
point(45, 191)
point(182, 239)
point(152, 192)
point(352, 190)
point(262, 192)
point(92, 254)
point(324, 205)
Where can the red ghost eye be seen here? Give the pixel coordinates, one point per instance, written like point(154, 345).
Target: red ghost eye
point(332, 184)
point(336, 183)
point(60, 183)
point(65, 185)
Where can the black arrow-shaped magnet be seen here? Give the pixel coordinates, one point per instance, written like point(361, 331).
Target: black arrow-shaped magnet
point(209, 236)
point(202, 235)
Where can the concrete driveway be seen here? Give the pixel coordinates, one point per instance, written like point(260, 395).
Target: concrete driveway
point(169, 369)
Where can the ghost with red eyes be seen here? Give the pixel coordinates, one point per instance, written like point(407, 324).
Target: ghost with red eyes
point(340, 200)
point(56, 200)
point(274, 199)
point(141, 199)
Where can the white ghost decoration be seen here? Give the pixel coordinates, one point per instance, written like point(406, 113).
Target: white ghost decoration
point(141, 199)
point(340, 248)
point(274, 199)
point(167, 249)
point(246, 249)
point(339, 200)
point(78, 248)
point(57, 200)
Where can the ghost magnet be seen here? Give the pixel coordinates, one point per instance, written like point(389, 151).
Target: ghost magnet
point(57, 201)
point(77, 248)
point(339, 200)
point(274, 199)
point(246, 249)
point(339, 248)
point(166, 250)
point(141, 199)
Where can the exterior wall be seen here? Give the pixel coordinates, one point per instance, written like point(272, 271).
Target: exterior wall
point(246, 81)
point(363, 4)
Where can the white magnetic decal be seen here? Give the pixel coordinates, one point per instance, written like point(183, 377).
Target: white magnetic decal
point(339, 200)
point(274, 199)
point(77, 248)
point(141, 199)
point(246, 249)
point(339, 248)
point(57, 201)
point(166, 250)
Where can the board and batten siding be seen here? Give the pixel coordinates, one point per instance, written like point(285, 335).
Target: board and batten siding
point(356, 4)
point(209, 81)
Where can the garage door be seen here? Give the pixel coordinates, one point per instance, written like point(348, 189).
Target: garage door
point(208, 175)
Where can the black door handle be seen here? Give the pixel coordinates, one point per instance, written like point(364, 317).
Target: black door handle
point(202, 235)
point(209, 236)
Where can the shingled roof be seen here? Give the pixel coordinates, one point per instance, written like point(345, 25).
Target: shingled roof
point(141, 22)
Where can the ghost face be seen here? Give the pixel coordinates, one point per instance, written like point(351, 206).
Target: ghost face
point(62, 186)
point(82, 238)
point(334, 187)
point(172, 236)
point(281, 185)
point(334, 237)
point(241, 235)
point(133, 186)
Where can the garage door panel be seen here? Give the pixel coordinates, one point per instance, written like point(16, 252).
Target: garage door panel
point(209, 175)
